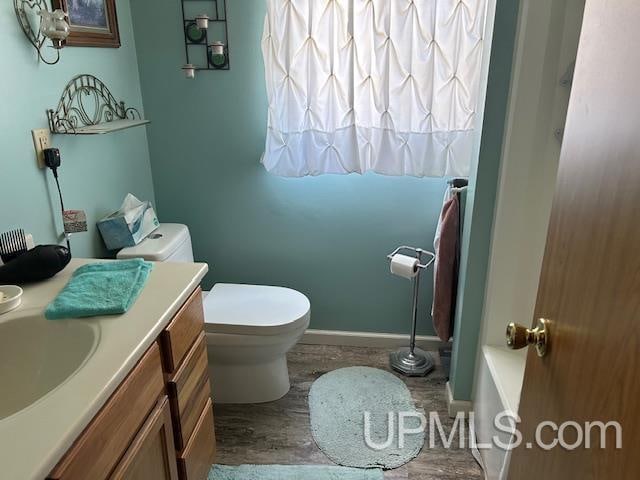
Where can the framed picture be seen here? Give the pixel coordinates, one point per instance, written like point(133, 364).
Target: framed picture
point(94, 23)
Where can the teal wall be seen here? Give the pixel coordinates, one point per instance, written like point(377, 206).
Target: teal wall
point(480, 207)
point(326, 236)
point(97, 171)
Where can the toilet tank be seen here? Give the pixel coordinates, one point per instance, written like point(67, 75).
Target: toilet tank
point(170, 242)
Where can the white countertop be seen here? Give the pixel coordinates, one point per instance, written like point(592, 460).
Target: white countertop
point(33, 440)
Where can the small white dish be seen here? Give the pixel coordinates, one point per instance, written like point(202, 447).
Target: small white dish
point(10, 298)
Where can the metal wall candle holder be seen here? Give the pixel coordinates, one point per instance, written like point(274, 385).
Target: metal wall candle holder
point(52, 26)
point(196, 35)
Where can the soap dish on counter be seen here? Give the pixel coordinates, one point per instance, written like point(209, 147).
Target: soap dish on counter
point(10, 298)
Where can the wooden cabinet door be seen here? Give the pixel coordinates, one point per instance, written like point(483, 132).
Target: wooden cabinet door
point(96, 452)
point(590, 282)
point(152, 454)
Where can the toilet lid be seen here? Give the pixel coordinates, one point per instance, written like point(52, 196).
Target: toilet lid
point(255, 309)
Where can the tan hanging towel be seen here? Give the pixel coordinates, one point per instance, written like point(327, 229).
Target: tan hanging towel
point(445, 283)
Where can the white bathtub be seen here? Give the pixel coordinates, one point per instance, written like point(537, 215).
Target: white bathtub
point(498, 385)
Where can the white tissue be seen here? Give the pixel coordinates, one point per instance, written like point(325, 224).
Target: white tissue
point(132, 208)
point(404, 266)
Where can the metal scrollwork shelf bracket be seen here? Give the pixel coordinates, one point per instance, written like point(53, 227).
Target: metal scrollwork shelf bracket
point(87, 105)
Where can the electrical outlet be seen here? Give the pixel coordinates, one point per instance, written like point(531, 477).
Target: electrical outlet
point(41, 141)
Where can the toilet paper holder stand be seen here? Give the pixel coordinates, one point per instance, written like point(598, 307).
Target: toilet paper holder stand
point(412, 361)
point(419, 252)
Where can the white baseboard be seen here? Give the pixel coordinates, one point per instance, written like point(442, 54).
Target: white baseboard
point(367, 339)
point(457, 406)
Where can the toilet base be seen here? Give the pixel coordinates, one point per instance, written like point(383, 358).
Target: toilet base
point(249, 383)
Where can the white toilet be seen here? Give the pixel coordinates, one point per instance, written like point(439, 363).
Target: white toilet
point(249, 328)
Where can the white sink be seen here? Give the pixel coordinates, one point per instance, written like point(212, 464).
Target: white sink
point(37, 355)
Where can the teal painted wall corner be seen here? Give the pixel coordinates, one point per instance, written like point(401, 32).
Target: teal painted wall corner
point(97, 171)
point(476, 239)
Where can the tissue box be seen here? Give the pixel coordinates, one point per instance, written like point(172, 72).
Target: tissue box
point(128, 226)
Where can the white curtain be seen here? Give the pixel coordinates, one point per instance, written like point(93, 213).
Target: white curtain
point(389, 86)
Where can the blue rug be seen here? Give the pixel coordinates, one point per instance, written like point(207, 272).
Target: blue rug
point(337, 404)
point(291, 472)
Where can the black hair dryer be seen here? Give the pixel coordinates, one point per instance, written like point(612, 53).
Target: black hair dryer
point(39, 263)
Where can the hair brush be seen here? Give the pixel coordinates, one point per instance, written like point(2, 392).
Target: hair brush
point(12, 245)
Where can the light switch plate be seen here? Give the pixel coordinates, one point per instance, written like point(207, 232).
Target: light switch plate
point(41, 141)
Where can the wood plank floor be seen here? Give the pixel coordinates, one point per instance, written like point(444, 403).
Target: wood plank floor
point(280, 433)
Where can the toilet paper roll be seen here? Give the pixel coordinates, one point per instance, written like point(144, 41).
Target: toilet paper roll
point(404, 266)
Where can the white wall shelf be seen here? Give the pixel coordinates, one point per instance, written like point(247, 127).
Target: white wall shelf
point(108, 127)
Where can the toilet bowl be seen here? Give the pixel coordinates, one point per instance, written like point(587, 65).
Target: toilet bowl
point(249, 328)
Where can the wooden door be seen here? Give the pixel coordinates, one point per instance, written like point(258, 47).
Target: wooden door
point(590, 281)
point(152, 454)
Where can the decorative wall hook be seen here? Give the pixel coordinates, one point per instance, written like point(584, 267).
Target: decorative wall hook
point(51, 25)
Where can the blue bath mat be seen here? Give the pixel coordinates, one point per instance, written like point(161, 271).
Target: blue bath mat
point(291, 472)
point(337, 404)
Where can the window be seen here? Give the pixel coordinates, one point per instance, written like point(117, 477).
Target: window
point(389, 86)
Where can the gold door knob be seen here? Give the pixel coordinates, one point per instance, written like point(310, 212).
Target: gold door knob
point(519, 336)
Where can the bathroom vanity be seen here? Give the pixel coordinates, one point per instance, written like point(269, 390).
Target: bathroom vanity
point(137, 407)
point(162, 407)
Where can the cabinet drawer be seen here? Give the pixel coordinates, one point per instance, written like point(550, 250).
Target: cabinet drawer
point(183, 330)
point(194, 462)
point(189, 391)
point(98, 449)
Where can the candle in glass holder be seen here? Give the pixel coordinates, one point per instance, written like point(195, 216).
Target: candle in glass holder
point(202, 21)
point(189, 70)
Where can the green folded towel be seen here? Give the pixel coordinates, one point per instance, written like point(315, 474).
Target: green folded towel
point(106, 288)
